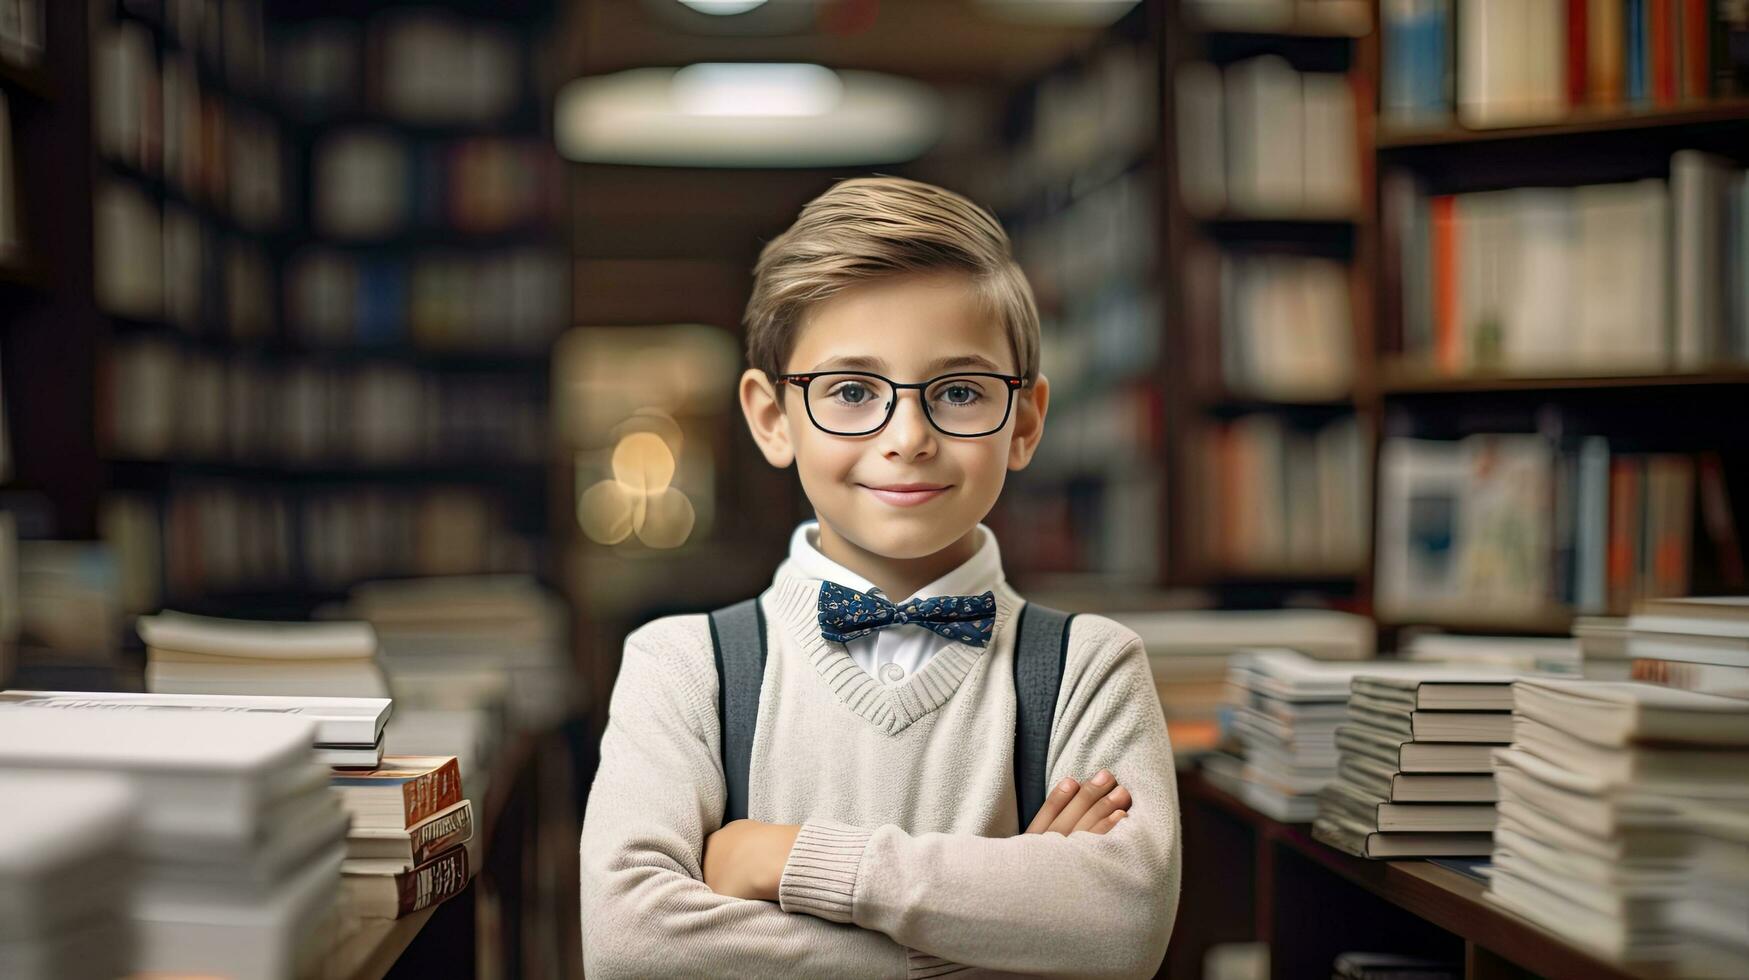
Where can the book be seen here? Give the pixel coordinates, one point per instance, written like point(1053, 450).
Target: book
point(1410, 756)
point(204, 655)
point(340, 722)
point(1393, 966)
point(1731, 682)
point(1478, 692)
point(74, 831)
point(1621, 713)
point(381, 890)
point(1353, 837)
point(1699, 771)
point(212, 636)
point(209, 777)
point(413, 845)
point(402, 794)
point(1382, 780)
point(1389, 817)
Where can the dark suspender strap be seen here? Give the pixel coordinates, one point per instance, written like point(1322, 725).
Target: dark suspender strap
point(1041, 646)
point(738, 638)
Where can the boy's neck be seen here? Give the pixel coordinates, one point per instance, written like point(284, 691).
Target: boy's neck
point(897, 578)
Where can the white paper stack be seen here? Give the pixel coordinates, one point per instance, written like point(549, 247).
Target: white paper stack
point(206, 655)
point(1623, 809)
point(239, 838)
point(348, 732)
point(66, 875)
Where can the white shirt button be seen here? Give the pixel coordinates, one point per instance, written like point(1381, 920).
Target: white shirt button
point(892, 673)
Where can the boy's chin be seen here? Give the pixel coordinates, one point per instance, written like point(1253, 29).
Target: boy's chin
point(905, 536)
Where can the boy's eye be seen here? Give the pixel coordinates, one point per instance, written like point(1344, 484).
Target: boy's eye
point(959, 394)
point(851, 392)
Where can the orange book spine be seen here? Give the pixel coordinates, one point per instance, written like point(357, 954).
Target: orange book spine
point(1696, 44)
point(1442, 217)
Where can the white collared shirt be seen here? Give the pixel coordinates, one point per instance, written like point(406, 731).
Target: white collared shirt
point(893, 654)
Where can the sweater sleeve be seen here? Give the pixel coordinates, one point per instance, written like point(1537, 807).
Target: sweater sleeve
point(1085, 905)
point(657, 795)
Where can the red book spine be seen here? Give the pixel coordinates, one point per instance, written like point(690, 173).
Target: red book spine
point(441, 878)
point(1661, 19)
point(1578, 48)
point(438, 789)
point(1624, 533)
point(1696, 48)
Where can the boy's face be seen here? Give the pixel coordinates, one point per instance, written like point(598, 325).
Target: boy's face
point(908, 490)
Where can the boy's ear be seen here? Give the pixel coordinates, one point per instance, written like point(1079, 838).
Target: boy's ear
point(1030, 405)
point(766, 419)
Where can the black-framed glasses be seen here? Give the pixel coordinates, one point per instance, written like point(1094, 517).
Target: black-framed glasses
point(860, 403)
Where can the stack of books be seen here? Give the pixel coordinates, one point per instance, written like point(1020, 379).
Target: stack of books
point(1286, 709)
point(1610, 805)
point(1713, 915)
point(408, 846)
point(205, 655)
point(1415, 765)
point(348, 732)
point(1190, 653)
point(1697, 644)
point(239, 839)
point(65, 876)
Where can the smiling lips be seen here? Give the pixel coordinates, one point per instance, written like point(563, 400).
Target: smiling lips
point(907, 494)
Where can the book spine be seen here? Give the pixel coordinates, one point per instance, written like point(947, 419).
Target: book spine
point(441, 833)
point(435, 881)
point(1578, 46)
point(1719, 679)
point(1660, 20)
point(1443, 218)
point(437, 790)
point(1696, 49)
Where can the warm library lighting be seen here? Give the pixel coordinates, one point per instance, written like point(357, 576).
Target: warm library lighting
point(1074, 13)
point(723, 8)
point(746, 115)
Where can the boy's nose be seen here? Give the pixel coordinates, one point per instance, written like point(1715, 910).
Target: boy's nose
point(908, 434)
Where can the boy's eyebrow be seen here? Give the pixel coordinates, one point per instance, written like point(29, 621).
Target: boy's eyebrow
point(864, 362)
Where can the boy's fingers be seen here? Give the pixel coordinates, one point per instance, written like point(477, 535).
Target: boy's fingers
point(1059, 796)
point(1116, 817)
point(1091, 791)
point(1117, 799)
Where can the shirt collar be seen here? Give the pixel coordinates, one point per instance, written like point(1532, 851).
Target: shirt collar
point(978, 574)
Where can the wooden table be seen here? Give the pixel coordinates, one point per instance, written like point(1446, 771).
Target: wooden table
point(1248, 877)
point(435, 942)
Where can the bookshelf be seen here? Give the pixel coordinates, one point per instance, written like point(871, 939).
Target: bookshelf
point(1228, 419)
point(1310, 902)
point(202, 354)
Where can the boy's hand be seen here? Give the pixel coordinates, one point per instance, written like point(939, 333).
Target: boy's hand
point(1094, 806)
point(745, 858)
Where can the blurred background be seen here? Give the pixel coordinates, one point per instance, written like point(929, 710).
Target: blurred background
point(1431, 313)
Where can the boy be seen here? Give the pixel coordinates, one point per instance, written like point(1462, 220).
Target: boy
point(894, 351)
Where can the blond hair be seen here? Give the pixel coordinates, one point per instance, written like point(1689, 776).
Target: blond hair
point(872, 228)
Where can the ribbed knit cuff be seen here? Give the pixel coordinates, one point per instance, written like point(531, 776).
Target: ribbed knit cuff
point(820, 876)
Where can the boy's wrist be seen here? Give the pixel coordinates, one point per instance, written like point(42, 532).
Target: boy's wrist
point(779, 840)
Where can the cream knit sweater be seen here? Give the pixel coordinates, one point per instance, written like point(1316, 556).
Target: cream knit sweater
point(907, 864)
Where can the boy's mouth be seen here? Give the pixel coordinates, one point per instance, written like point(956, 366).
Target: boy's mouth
point(906, 494)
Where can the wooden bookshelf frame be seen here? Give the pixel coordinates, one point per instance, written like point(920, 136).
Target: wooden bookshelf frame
point(1310, 902)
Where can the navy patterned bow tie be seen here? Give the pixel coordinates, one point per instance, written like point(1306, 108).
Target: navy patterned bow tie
point(846, 614)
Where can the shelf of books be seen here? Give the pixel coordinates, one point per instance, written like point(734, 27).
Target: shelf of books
point(1080, 206)
point(1261, 225)
point(329, 276)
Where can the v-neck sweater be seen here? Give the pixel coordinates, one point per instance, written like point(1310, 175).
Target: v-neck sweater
point(909, 862)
